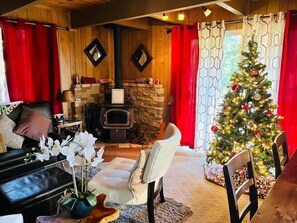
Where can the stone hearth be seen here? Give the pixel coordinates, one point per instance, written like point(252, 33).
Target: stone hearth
point(147, 101)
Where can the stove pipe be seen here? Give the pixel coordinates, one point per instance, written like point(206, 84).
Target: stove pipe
point(117, 36)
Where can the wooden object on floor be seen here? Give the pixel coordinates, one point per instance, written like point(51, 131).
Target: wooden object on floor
point(242, 160)
point(101, 213)
point(280, 153)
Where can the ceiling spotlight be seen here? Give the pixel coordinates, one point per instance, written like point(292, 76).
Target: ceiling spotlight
point(181, 16)
point(206, 11)
point(165, 16)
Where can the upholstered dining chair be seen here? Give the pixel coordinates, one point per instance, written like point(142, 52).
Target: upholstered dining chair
point(242, 160)
point(280, 153)
point(126, 181)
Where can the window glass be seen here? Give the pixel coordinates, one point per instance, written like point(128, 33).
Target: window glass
point(231, 47)
point(3, 86)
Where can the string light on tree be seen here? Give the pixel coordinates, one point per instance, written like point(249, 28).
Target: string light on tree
point(247, 119)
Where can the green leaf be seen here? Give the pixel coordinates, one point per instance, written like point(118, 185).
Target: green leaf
point(91, 198)
point(69, 202)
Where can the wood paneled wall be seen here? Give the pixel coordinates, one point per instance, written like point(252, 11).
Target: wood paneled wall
point(156, 40)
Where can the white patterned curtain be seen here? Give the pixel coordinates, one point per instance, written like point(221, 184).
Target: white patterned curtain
point(269, 33)
point(211, 37)
point(3, 86)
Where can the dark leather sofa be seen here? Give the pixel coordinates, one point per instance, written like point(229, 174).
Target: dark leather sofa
point(27, 185)
point(17, 161)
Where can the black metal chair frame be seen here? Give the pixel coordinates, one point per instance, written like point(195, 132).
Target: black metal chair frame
point(280, 145)
point(151, 195)
point(243, 159)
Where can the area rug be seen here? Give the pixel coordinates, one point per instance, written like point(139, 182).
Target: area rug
point(169, 211)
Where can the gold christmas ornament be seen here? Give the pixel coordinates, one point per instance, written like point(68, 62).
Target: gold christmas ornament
point(257, 97)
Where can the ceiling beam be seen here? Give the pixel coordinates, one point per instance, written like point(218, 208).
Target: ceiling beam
point(10, 6)
point(130, 9)
point(135, 23)
point(237, 7)
point(172, 18)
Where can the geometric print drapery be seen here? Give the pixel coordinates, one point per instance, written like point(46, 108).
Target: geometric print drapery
point(211, 36)
point(269, 33)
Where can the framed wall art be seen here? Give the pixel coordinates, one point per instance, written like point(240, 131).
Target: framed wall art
point(95, 52)
point(141, 58)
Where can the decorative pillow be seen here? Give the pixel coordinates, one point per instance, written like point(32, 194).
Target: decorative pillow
point(32, 124)
point(2, 145)
point(10, 139)
point(88, 80)
point(135, 181)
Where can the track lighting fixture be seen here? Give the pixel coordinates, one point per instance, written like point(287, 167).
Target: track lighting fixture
point(181, 16)
point(165, 16)
point(206, 11)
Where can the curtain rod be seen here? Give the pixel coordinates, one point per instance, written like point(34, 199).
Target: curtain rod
point(168, 30)
point(45, 25)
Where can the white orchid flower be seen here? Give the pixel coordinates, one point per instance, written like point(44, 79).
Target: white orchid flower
point(89, 153)
point(73, 160)
point(42, 142)
point(42, 156)
point(66, 141)
point(65, 150)
point(79, 151)
point(98, 158)
point(84, 139)
point(50, 141)
point(55, 148)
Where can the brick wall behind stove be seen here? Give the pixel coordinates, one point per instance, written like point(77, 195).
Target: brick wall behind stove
point(84, 94)
point(148, 103)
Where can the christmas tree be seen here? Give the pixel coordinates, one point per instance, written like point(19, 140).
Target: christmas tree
point(247, 119)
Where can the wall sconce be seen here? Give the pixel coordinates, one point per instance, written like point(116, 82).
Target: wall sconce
point(206, 11)
point(181, 16)
point(68, 96)
point(165, 16)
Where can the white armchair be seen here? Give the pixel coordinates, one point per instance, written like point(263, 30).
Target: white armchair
point(126, 181)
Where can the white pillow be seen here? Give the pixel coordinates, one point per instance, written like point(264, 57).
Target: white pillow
point(135, 183)
point(11, 139)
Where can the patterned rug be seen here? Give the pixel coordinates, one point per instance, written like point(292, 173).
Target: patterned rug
point(170, 211)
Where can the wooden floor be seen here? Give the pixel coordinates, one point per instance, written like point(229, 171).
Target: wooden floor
point(125, 150)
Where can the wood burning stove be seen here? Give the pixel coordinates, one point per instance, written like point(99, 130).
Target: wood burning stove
point(115, 120)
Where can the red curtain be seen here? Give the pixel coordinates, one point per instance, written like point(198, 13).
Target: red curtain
point(287, 99)
point(184, 65)
point(31, 56)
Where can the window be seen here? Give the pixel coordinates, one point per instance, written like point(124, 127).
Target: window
point(3, 86)
point(219, 55)
point(231, 46)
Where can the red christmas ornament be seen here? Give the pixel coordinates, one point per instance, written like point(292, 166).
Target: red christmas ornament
point(214, 128)
point(269, 112)
point(233, 153)
point(225, 108)
point(235, 87)
point(246, 107)
point(255, 72)
point(256, 133)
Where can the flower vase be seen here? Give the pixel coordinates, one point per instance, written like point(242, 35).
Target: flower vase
point(81, 209)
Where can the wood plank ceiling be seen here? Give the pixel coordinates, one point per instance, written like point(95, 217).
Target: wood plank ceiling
point(99, 12)
point(74, 4)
